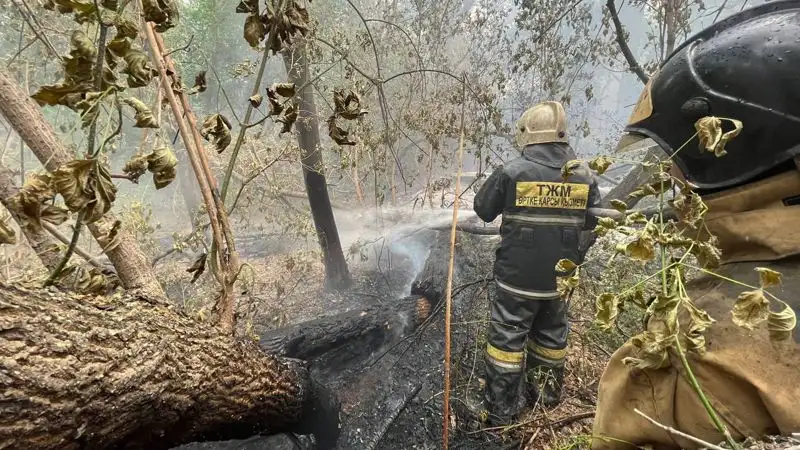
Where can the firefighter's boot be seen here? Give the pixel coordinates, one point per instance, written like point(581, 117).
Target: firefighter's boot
point(545, 382)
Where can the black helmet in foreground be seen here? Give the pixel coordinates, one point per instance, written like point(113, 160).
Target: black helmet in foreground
point(746, 67)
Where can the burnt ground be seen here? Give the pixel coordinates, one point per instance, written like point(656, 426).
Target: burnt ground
point(392, 396)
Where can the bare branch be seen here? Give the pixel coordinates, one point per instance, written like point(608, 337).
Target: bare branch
point(623, 44)
point(677, 433)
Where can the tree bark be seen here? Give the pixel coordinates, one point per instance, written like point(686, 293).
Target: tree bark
point(123, 372)
point(337, 275)
point(25, 117)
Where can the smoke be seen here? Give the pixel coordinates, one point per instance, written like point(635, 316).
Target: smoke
point(395, 239)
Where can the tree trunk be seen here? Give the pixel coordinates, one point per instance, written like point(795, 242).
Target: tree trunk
point(122, 372)
point(342, 341)
point(24, 115)
point(45, 246)
point(337, 274)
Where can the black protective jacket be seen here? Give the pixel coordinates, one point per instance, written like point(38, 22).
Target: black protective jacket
point(543, 215)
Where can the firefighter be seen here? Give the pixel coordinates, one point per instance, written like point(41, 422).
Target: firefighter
point(746, 68)
point(543, 214)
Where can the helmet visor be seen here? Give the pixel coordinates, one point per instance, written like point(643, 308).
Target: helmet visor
point(637, 143)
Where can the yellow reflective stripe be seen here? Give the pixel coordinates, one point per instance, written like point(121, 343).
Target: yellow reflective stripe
point(548, 353)
point(504, 356)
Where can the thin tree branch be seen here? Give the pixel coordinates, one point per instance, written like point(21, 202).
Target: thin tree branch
point(677, 433)
point(623, 44)
point(180, 49)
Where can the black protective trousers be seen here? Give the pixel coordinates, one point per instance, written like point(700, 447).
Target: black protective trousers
point(516, 323)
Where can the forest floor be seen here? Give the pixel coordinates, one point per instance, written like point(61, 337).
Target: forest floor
point(393, 400)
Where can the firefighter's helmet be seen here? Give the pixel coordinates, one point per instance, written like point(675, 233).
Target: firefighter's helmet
point(746, 67)
point(545, 122)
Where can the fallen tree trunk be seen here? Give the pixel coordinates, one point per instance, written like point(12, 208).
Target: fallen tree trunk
point(123, 372)
point(337, 342)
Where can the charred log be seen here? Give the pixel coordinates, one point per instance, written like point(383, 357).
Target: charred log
point(342, 341)
point(124, 372)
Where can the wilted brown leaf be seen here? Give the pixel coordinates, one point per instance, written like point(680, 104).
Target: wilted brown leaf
point(162, 164)
point(607, 306)
point(781, 324)
point(768, 277)
point(751, 308)
point(711, 136)
point(163, 13)
point(347, 105)
point(85, 184)
point(565, 265)
point(652, 351)
point(247, 6)
point(139, 71)
point(144, 117)
point(254, 30)
point(604, 225)
point(619, 205)
point(565, 285)
point(708, 255)
point(284, 89)
point(200, 83)
point(126, 28)
point(217, 129)
point(198, 267)
point(136, 167)
point(288, 118)
point(256, 100)
point(338, 134)
point(700, 321)
point(641, 249)
point(79, 64)
point(600, 164)
point(569, 168)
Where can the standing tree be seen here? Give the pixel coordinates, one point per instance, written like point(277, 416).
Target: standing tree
point(337, 274)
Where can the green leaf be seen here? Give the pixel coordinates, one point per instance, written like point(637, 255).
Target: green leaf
point(781, 324)
point(607, 310)
point(751, 308)
point(768, 277)
point(600, 164)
